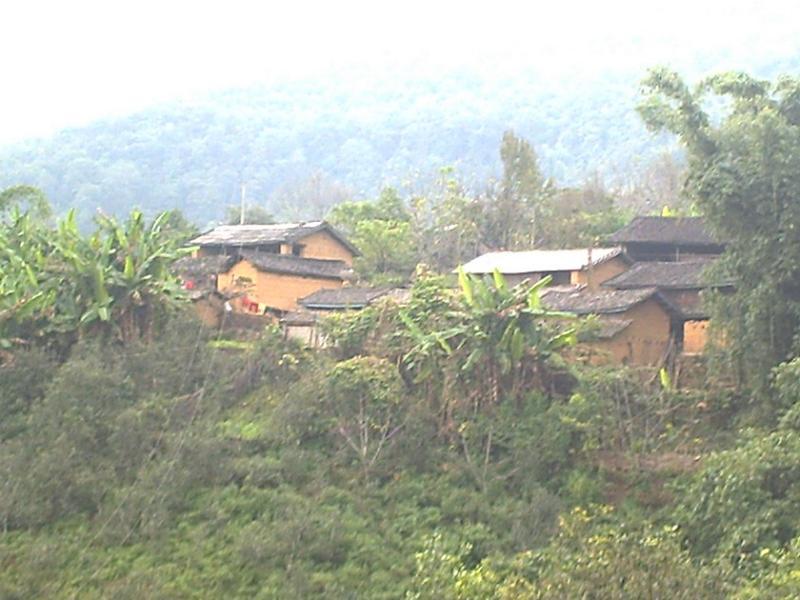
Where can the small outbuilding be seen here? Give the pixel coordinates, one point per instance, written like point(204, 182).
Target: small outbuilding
point(302, 324)
point(634, 326)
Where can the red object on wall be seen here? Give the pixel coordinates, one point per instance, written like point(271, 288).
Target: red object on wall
point(249, 305)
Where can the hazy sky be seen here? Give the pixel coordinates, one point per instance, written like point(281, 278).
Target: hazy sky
point(68, 62)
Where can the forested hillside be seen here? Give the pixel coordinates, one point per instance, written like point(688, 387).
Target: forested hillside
point(299, 145)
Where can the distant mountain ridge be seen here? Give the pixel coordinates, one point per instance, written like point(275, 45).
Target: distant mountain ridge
point(362, 133)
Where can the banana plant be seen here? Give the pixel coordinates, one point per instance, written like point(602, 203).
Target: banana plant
point(490, 345)
point(57, 282)
point(122, 273)
point(25, 297)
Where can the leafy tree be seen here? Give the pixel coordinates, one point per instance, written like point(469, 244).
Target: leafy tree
point(515, 212)
point(494, 345)
point(744, 174)
point(181, 228)
point(382, 231)
point(388, 207)
point(254, 214)
point(446, 223)
point(308, 198)
point(118, 280)
point(58, 282)
point(26, 293)
point(364, 397)
point(581, 216)
point(31, 198)
point(743, 501)
point(593, 556)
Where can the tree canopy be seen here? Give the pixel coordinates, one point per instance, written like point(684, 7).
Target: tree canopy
point(744, 174)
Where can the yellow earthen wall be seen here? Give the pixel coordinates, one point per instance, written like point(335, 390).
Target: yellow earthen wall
point(644, 341)
point(275, 290)
point(593, 277)
point(695, 336)
point(323, 245)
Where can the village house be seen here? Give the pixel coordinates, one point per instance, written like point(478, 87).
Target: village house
point(681, 283)
point(346, 298)
point(585, 266)
point(266, 269)
point(634, 327)
point(666, 239)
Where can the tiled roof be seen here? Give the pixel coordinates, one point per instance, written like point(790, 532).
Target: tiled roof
point(689, 231)
point(296, 265)
point(240, 236)
point(689, 304)
point(345, 297)
point(299, 318)
point(608, 327)
point(540, 261)
point(582, 301)
point(665, 275)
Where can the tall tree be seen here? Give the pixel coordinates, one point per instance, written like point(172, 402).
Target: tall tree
point(744, 174)
point(581, 216)
point(382, 231)
point(516, 207)
point(446, 223)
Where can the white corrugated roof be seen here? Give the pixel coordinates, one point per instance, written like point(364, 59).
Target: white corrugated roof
point(540, 261)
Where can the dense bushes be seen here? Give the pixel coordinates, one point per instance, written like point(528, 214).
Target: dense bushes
point(183, 467)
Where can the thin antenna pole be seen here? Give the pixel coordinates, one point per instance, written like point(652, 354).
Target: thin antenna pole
point(241, 210)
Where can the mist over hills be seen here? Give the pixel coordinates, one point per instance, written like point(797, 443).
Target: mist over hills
point(354, 132)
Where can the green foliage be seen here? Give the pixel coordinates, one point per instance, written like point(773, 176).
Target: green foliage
point(592, 557)
point(786, 385)
point(743, 501)
point(57, 284)
point(780, 577)
point(382, 232)
point(277, 138)
point(744, 174)
point(581, 217)
point(366, 406)
point(23, 381)
point(596, 557)
point(28, 196)
point(434, 451)
point(492, 345)
point(254, 214)
point(517, 212)
point(349, 332)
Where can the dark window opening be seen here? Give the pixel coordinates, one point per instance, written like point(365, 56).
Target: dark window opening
point(559, 277)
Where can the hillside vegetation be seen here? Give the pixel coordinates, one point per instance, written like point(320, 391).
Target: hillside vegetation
point(451, 447)
point(300, 146)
